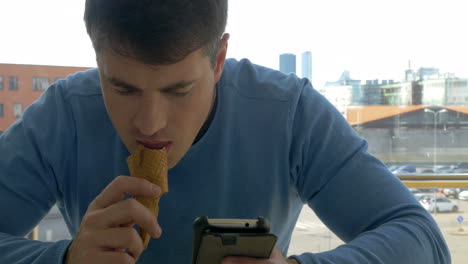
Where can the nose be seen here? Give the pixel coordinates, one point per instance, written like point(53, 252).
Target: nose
point(151, 116)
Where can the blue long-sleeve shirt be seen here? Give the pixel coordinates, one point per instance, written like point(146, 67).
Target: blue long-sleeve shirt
point(274, 144)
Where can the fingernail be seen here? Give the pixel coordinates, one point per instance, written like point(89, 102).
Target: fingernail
point(156, 190)
point(158, 231)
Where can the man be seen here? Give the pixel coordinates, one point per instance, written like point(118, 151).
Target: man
point(242, 140)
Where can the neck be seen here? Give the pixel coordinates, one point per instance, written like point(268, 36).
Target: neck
point(210, 118)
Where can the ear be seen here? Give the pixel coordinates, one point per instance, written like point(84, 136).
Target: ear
point(221, 57)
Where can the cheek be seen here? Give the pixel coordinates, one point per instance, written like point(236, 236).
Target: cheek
point(192, 113)
point(119, 109)
point(200, 106)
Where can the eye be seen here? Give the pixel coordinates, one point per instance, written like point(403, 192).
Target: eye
point(179, 94)
point(123, 91)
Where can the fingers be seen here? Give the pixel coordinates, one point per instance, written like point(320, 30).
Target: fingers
point(276, 254)
point(106, 234)
point(117, 245)
point(114, 257)
point(124, 213)
point(122, 186)
point(125, 238)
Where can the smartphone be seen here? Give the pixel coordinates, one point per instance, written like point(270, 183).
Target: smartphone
point(215, 239)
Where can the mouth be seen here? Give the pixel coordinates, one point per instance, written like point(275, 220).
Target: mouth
point(156, 144)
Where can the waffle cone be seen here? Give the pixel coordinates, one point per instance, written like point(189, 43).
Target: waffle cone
point(151, 165)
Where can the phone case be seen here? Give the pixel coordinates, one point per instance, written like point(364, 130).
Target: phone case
point(212, 243)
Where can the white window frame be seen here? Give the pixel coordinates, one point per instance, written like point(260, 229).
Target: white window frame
point(17, 110)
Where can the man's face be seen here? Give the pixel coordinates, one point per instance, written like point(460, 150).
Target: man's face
point(159, 106)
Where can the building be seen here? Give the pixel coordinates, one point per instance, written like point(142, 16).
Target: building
point(307, 65)
point(345, 80)
point(420, 120)
point(339, 96)
point(371, 93)
point(456, 91)
point(288, 63)
point(428, 73)
point(404, 93)
point(21, 85)
point(428, 87)
point(440, 92)
point(413, 134)
point(445, 91)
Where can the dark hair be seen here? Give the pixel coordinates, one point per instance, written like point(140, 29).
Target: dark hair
point(156, 32)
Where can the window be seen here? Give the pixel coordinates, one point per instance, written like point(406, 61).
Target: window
point(13, 83)
point(40, 83)
point(1, 83)
point(400, 43)
point(17, 110)
point(1, 110)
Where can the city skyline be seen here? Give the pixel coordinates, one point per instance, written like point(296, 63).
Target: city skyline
point(340, 38)
point(286, 60)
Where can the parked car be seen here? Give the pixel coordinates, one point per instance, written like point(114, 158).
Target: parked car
point(425, 190)
point(414, 190)
point(445, 169)
point(424, 196)
point(463, 195)
point(451, 192)
point(439, 204)
point(442, 169)
point(461, 167)
point(408, 168)
point(392, 167)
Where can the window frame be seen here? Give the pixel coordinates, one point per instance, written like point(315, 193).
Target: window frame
point(38, 81)
point(15, 115)
point(13, 87)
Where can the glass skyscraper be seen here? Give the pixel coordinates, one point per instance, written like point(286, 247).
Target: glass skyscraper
point(288, 63)
point(307, 65)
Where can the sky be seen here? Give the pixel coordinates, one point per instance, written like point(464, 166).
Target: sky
point(373, 39)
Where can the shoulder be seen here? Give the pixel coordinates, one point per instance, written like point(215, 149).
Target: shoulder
point(251, 81)
point(84, 83)
point(257, 82)
point(67, 95)
point(67, 101)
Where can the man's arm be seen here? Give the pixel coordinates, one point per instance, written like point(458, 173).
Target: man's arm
point(29, 173)
point(355, 195)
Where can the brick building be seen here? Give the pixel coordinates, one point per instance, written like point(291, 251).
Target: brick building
point(21, 85)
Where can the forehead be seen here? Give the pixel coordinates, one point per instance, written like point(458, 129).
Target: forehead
point(140, 74)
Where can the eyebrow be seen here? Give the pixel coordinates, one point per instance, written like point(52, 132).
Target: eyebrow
point(120, 83)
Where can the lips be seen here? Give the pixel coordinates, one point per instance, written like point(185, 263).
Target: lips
point(156, 144)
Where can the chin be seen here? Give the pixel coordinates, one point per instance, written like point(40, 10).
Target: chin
point(171, 164)
point(173, 160)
